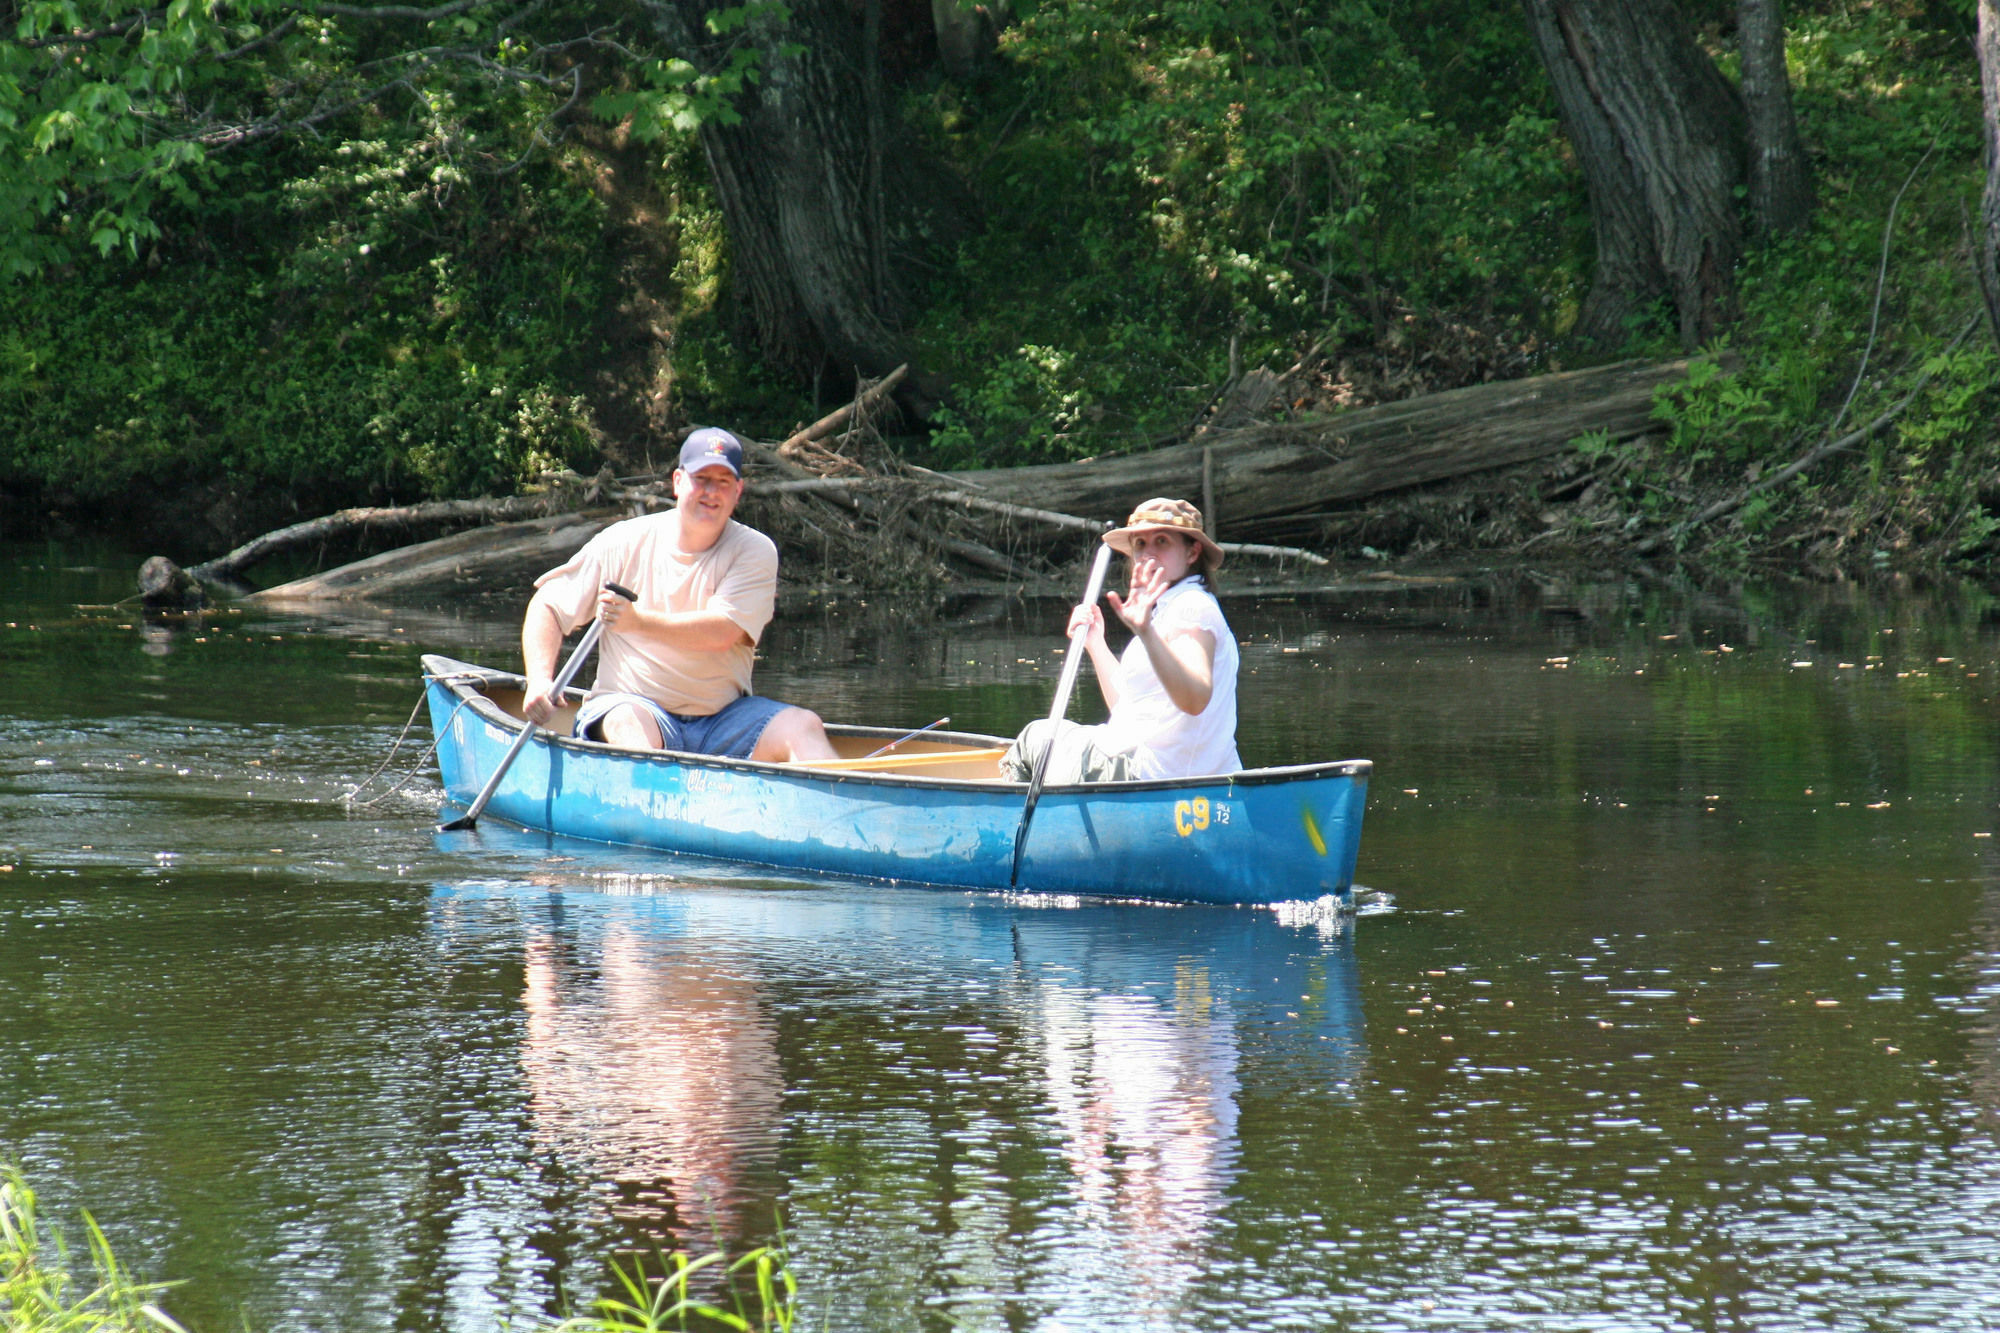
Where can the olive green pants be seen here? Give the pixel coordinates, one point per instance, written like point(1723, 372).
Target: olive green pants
point(1079, 755)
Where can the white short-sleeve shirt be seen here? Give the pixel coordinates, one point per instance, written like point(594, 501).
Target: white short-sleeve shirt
point(1165, 742)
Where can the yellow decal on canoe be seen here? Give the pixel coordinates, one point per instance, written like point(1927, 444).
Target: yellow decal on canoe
point(1312, 831)
point(1191, 815)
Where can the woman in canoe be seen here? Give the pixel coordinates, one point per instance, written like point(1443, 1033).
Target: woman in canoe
point(1172, 694)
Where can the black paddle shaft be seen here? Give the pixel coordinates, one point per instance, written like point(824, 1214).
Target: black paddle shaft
point(590, 637)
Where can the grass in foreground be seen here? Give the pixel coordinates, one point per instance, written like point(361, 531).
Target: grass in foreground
point(40, 1292)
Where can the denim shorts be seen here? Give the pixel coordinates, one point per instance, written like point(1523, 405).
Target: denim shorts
point(729, 734)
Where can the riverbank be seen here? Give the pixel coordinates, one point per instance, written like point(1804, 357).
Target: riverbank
point(1568, 519)
point(334, 332)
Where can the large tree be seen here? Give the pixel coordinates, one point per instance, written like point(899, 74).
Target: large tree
point(1657, 132)
point(1781, 192)
point(1665, 143)
point(827, 198)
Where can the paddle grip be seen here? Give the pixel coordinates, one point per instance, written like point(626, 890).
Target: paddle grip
point(622, 591)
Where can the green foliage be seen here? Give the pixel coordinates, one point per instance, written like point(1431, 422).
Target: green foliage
point(77, 123)
point(404, 338)
point(656, 1304)
point(1712, 413)
point(110, 115)
point(332, 257)
point(1164, 177)
point(41, 1293)
point(674, 95)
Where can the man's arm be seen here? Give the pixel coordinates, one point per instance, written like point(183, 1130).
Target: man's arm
point(541, 643)
point(690, 631)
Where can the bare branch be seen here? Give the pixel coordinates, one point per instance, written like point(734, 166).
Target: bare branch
point(256, 42)
point(397, 11)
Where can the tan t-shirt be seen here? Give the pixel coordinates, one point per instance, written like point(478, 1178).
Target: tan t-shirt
point(737, 576)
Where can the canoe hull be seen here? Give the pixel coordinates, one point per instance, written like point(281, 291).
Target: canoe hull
point(1265, 836)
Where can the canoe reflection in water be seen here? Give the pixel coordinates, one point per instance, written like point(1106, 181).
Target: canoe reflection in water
point(904, 1049)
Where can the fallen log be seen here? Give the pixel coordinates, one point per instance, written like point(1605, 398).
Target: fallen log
point(1285, 467)
point(847, 486)
point(348, 522)
point(502, 559)
point(1250, 474)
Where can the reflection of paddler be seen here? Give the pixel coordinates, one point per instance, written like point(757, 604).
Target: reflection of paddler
point(1145, 1094)
point(657, 1071)
point(1140, 1015)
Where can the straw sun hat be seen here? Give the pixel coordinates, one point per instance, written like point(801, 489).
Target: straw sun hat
point(1164, 515)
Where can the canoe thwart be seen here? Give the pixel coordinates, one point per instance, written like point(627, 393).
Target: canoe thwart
point(987, 761)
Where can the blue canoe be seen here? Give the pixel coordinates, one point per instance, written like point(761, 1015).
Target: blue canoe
point(933, 811)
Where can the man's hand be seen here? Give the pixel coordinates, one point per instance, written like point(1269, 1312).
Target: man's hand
point(611, 605)
point(539, 703)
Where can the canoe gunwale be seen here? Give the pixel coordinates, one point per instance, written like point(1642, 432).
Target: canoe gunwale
point(463, 679)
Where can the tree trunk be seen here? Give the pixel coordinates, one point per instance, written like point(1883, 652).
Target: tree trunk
point(1781, 194)
point(823, 199)
point(1292, 467)
point(1657, 130)
point(1988, 259)
point(966, 35)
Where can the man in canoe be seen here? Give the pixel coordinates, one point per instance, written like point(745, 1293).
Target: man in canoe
point(1172, 694)
point(673, 667)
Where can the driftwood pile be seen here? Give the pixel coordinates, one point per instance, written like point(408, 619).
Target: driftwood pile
point(845, 510)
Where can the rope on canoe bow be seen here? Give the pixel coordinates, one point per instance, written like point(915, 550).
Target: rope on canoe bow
point(422, 759)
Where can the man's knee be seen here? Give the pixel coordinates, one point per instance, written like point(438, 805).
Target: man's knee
point(632, 728)
point(796, 733)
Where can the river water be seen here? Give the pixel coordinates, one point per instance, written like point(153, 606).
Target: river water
point(1670, 1004)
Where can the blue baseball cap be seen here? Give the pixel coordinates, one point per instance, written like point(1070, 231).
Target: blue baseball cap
point(709, 446)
